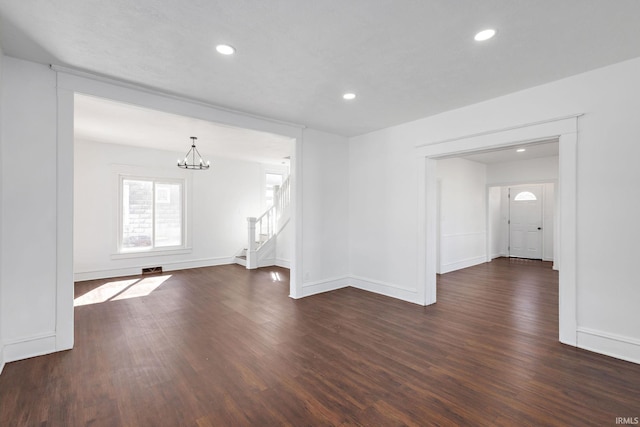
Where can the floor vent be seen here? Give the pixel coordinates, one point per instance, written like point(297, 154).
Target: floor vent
point(151, 270)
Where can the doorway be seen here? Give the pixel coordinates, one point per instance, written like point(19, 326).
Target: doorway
point(565, 130)
point(68, 84)
point(523, 229)
point(502, 241)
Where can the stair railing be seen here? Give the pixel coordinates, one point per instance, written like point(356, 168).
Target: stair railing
point(264, 227)
point(282, 199)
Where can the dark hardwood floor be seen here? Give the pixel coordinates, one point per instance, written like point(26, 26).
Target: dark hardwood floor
point(223, 346)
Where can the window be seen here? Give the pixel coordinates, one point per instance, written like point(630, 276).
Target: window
point(525, 196)
point(151, 214)
point(272, 180)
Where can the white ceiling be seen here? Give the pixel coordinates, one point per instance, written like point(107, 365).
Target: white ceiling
point(405, 59)
point(106, 121)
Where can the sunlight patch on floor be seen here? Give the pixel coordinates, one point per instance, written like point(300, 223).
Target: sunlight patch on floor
point(275, 277)
point(121, 289)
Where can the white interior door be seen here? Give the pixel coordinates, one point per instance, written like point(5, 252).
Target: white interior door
point(525, 222)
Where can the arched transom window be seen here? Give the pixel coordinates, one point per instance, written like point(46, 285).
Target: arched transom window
point(524, 196)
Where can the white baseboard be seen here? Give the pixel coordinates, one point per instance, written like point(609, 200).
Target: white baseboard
point(369, 285)
point(166, 266)
point(284, 263)
point(267, 262)
point(270, 262)
point(384, 288)
point(465, 263)
point(613, 345)
point(313, 288)
point(105, 274)
point(1, 358)
point(24, 348)
point(198, 263)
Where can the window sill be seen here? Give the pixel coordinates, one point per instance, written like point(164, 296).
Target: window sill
point(151, 253)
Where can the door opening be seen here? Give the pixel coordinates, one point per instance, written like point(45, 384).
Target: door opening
point(564, 129)
point(525, 222)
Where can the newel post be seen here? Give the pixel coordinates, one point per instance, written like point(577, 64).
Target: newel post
point(252, 261)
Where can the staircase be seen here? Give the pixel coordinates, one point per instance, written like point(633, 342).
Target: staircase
point(263, 230)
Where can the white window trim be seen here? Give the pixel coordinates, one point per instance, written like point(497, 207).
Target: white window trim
point(151, 252)
point(121, 172)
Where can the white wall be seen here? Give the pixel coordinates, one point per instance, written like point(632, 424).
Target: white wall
point(29, 243)
point(544, 169)
point(220, 198)
point(284, 244)
point(325, 195)
point(1, 203)
point(382, 215)
point(607, 175)
point(549, 222)
point(463, 214)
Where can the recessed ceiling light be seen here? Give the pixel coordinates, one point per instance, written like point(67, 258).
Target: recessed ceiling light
point(520, 150)
point(349, 96)
point(225, 49)
point(485, 34)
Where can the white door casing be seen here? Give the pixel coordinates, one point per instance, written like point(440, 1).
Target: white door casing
point(70, 81)
point(563, 128)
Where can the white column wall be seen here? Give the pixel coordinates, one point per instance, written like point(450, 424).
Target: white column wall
point(325, 256)
point(1, 209)
point(607, 177)
point(29, 206)
point(383, 215)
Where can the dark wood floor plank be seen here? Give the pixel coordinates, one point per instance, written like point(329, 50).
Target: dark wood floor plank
point(225, 346)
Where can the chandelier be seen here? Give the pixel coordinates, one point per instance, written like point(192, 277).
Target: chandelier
point(191, 155)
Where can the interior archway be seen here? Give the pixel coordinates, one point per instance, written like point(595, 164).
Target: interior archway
point(565, 130)
point(70, 82)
